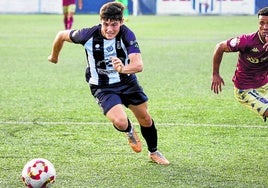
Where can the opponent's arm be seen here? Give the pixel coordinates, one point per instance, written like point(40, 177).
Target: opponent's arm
point(217, 80)
point(59, 40)
point(266, 44)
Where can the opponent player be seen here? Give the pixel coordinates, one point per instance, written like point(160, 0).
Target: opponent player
point(69, 7)
point(250, 78)
point(114, 57)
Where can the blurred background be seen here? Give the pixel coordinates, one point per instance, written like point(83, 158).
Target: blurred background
point(140, 7)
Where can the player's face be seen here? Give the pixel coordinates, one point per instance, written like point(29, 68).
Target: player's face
point(263, 26)
point(110, 28)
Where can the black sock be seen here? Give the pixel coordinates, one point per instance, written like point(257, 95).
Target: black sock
point(150, 136)
point(128, 127)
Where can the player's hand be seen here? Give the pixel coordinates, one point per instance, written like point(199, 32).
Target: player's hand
point(52, 60)
point(216, 83)
point(117, 64)
point(266, 44)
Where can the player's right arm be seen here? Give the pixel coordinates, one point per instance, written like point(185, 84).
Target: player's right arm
point(217, 80)
point(59, 40)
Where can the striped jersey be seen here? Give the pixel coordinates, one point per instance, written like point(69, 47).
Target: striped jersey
point(99, 50)
point(252, 64)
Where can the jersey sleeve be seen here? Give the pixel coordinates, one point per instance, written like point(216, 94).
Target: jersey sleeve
point(130, 41)
point(237, 43)
point(81, 36)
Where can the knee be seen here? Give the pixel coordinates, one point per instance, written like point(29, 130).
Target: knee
point(146, 121)
point(120, 123)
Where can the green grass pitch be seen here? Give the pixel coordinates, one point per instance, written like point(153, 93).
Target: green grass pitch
point(47, 111)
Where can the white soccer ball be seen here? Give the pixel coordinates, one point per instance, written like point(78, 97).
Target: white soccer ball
point(38, 173)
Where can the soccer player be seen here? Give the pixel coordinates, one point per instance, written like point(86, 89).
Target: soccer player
point(113, 57)
point(69, 7)
point(250, 77)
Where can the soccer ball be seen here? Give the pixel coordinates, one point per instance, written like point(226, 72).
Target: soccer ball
point(38, 173)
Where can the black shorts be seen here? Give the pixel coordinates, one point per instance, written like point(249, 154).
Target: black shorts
point(127, 93)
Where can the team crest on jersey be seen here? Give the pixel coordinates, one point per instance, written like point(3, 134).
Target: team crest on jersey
point(109, 48)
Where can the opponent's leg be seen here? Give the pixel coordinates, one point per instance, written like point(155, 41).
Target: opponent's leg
point(70, 20)
point(255, 99)
point(65, 16)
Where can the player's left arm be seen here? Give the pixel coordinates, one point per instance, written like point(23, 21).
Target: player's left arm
point(135, 65)
point(59, 40)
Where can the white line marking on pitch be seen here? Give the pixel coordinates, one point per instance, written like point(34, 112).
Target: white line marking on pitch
point(108, 123)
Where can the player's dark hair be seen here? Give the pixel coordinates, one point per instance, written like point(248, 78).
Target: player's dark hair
point(263, 12)
point(112, 11)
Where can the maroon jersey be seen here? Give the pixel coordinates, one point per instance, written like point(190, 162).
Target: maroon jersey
point(68, 2)
point(252, 64)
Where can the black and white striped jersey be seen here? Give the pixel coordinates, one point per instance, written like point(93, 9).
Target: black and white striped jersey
point(99, 51)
